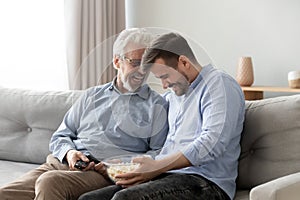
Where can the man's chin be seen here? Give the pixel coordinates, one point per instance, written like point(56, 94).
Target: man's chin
point(178, 92)
point(133, 88)
point(135, 85)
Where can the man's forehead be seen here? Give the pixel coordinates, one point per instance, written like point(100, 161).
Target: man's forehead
point(160, 68)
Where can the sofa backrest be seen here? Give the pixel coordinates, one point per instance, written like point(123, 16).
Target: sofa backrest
point(271, 140)
point(28, 120)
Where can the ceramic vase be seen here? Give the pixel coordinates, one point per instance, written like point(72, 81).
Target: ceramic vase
point(294, 79)
point(244, 75)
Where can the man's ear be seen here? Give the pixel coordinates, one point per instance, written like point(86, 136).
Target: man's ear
point(184, 62)
point(116, 62)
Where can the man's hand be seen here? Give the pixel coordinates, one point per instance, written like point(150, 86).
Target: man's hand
point(147, 170)
point(73, 156)
point(150, 169)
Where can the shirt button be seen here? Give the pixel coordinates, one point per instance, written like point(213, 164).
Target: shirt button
point(29, 129)
point(111, 88)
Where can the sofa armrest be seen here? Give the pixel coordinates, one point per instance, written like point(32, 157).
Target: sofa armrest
point(283, 188)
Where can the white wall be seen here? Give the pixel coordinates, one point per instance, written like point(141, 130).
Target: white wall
point(266, 30)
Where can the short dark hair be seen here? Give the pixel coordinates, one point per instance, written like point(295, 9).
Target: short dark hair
point(168, 47)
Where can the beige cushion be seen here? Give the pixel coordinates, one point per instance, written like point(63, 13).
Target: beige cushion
point(27, 121)
point(10, 170)
point(270, 141)
point(283, 188)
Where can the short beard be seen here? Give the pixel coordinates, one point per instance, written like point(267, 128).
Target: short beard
point(127, 85)
point(181, 89)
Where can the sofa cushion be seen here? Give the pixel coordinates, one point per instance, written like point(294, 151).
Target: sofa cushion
point(10, 171)
point(28, 119)
point(271, 140)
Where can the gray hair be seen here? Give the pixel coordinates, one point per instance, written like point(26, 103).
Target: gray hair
point(137, 36)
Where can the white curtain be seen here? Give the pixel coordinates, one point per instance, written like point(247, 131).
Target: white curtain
point(91, 27)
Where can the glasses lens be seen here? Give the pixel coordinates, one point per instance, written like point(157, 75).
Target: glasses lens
point(135, 62)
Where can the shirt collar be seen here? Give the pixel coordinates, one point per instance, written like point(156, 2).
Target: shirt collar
point(143, 91)
point(200, 76)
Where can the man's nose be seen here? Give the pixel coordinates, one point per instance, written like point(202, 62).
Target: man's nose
point(141, 72)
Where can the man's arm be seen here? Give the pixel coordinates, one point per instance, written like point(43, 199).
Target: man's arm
point(62, 140)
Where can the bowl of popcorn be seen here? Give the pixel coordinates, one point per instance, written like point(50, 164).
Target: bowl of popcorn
point(120, 165)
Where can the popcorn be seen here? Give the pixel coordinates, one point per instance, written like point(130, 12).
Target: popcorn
point(120, 168)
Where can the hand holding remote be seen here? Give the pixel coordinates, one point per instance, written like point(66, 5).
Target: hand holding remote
point(80, 164)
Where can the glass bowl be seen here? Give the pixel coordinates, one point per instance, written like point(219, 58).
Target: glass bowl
point(120, 165)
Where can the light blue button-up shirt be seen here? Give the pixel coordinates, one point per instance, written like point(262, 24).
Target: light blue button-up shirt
point(105, 123)
point(205, 125)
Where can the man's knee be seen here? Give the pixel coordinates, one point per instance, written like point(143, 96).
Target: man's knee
point(122, 195)
point(85, 196)
point(47, 181)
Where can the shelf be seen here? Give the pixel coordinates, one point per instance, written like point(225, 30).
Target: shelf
point(256, 92)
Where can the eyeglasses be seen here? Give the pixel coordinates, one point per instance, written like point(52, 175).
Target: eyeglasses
point(132, 62)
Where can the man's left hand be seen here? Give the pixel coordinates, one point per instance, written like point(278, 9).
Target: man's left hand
point(147, 170)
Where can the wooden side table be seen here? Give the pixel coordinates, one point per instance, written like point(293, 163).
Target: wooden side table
point(257, 92)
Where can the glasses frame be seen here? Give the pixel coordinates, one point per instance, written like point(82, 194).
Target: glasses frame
point(131, 61)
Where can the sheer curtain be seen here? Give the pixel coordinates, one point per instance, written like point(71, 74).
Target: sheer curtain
point(32, 45)
point(91, 26)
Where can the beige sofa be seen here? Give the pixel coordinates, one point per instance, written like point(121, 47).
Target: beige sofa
point(268, 166)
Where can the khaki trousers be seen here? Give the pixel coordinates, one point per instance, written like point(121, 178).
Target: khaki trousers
point(53, 181)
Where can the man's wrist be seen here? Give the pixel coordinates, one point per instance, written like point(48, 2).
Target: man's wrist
point(67, 153)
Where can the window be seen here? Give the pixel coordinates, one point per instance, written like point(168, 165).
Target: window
point(32, 45)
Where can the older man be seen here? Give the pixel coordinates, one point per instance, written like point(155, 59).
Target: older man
point(121, 117)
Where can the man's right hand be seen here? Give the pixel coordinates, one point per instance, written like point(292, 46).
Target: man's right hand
point(73, 156)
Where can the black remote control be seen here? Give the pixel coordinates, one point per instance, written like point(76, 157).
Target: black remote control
point(80, 164)
point(93, 159)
